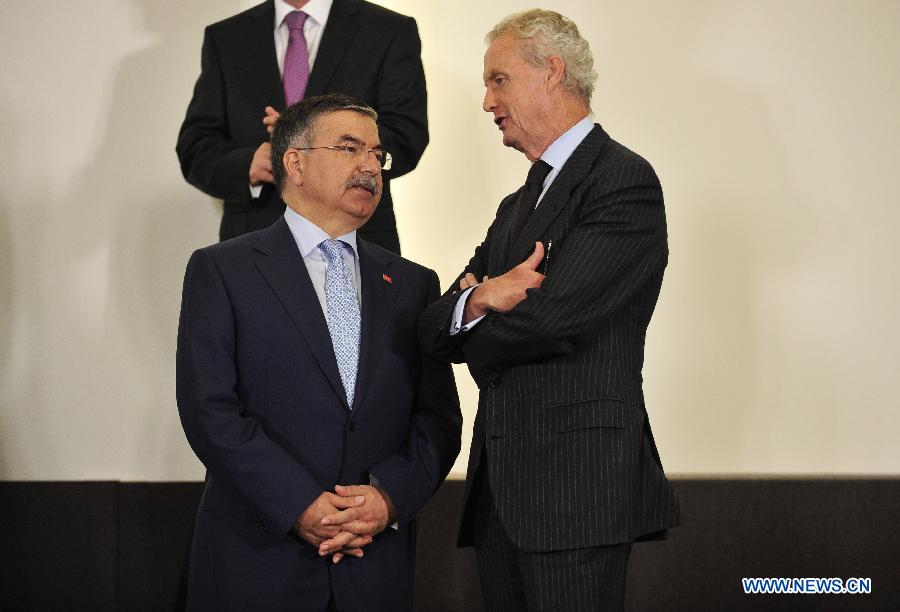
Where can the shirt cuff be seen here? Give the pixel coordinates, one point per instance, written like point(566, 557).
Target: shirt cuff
point(456, 325)
point(255, 190)
point(374, 482)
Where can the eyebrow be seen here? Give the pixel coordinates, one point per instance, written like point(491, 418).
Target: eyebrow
point(357, 140)
point(493, 75)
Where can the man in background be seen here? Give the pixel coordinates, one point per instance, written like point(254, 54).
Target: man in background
point(274, 54)
point(299, 371)
point(550, 315)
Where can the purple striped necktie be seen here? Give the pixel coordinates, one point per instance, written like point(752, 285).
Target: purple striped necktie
point(296, 59)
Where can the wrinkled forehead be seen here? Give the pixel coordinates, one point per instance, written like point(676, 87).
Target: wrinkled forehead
point(347, 126)
point(502, 56)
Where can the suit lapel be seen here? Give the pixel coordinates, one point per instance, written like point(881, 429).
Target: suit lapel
point(573, 172)
point(260, 40)
point(339, 32)
point(379, 297)
point(280, 262)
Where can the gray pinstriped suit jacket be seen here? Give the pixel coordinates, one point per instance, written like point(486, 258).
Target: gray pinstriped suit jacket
point(571, 459)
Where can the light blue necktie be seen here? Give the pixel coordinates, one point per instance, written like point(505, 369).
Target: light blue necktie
point(343, 313)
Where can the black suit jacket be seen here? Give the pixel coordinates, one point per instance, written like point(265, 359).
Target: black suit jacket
point(571, 460)
point(366, 51)
point(262, 405)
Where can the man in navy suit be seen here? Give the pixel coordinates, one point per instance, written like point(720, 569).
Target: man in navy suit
point(299, 372)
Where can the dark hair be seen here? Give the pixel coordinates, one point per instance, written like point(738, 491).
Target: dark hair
point(296, 127)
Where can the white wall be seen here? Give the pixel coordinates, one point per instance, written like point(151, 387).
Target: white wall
point(773, 127)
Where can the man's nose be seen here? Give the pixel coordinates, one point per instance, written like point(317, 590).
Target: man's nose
point(369, 163)
point(488, 104)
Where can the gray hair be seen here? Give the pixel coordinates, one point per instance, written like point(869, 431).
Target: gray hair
point(296, 127)
point(547, 34)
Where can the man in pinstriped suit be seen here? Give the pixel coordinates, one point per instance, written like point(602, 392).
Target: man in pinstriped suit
point(550, 314)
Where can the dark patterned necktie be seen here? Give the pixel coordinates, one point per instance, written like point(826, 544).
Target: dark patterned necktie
point(528, 196)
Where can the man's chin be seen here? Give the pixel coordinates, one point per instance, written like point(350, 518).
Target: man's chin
point(363, 209)
point(510, 141)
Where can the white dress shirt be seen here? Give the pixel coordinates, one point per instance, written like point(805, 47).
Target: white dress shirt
point(312, 28)
point(308, 237)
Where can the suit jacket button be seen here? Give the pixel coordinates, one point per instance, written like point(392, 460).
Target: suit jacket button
point(494, 383)
point(352, 426)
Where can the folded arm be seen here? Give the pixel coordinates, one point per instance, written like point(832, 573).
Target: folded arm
point(434, 323)
point(616, 247)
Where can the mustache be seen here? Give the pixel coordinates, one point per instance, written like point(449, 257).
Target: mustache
point(365, 181)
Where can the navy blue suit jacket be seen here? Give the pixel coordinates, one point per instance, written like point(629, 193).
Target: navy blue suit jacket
point(262, 404)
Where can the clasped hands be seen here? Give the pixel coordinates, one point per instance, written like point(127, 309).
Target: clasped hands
point(505, 292)
point(343, 522)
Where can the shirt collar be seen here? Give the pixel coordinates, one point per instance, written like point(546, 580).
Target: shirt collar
point(309, 236)
point(558, 153)
point(316, 9)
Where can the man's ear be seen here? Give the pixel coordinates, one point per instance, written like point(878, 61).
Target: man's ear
point(294, 164)
point(556, 71)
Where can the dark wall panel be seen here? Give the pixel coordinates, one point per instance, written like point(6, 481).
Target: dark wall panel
point(446, 576)
point(109, 546)
point(59, 545)
point(772, 528)
point(156, 520)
